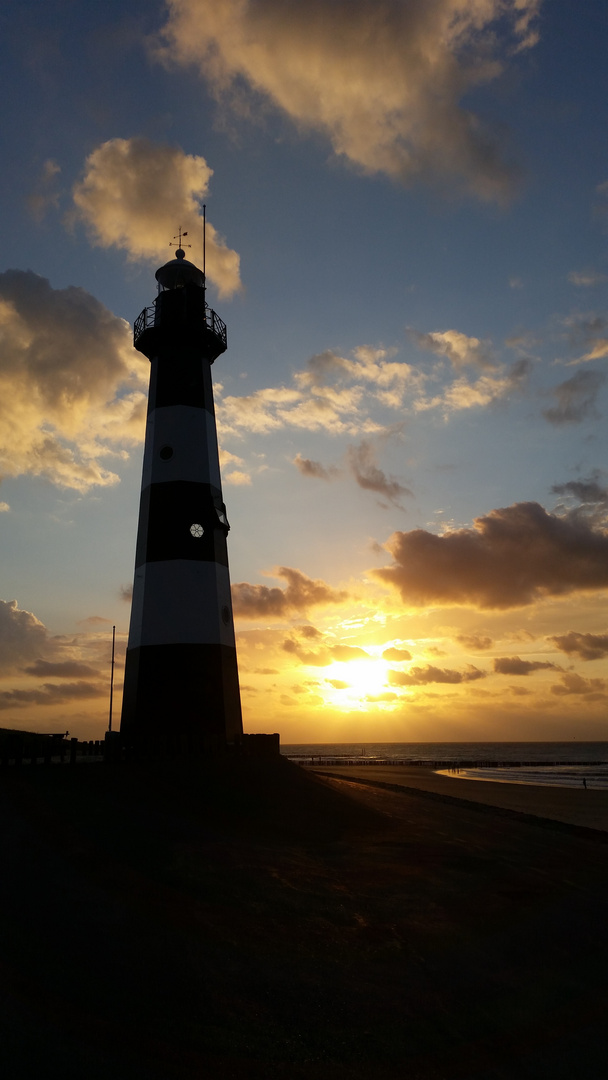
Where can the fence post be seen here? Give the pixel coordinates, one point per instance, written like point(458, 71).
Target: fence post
point(73, 747)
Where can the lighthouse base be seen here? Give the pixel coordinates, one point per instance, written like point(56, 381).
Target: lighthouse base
point(181, 698)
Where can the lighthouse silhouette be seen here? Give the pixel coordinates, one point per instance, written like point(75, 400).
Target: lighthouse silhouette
point(181, 688)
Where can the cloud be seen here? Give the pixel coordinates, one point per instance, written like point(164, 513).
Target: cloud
point(135, 194)
point(72, 387)
point(125, 593)
point(586, 278)
point(513, 556)
point(474, 642)
point(588, 491)
point(418, 676)
point(513, 665)
point(315, 469)
point(22, 636)
point(332, 394)
point(362, 462)
point(575, 684)
point(4, 507)
point(461, 351)
point(396, 655)
point(326, 655)
point(502, 383)
point(302, 592)
point(575, 398)
point(51, 694)
point(44, 196)
point(587, 646)
point(588, 332)
point(65, 669)
point(238, 477)
point(383, 80)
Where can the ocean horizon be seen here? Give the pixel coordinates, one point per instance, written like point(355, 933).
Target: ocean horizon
point(572, 763)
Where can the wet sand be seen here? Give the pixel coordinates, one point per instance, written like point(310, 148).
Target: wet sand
point(575, 806)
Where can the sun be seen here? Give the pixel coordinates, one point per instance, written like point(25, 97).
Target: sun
point(350, 683)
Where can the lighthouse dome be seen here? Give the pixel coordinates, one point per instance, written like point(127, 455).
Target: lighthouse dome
point(179, 272)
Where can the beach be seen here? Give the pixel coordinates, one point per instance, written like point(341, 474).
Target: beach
point(257, 921)
point(580, 807)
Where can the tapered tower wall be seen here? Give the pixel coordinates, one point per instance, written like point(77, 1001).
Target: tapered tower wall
point(181, 676)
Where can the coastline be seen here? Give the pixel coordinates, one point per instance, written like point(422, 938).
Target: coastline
point(572, 806)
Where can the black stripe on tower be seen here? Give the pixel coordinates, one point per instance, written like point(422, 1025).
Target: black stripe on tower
point(180, 376)
point(189, 689)
point(167, 513)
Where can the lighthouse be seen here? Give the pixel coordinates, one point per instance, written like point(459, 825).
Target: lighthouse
point(181, 688)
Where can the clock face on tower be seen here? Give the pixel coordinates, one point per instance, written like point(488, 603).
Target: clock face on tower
point(197, 531)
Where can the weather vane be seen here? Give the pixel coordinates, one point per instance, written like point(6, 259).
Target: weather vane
point(178, 236)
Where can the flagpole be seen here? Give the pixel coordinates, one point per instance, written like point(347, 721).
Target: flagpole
point(112, 676)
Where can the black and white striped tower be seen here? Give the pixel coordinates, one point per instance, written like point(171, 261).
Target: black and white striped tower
point(181, 678)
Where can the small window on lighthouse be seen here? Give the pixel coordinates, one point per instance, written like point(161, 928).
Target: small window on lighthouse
point(197, 531)
point(166, 453)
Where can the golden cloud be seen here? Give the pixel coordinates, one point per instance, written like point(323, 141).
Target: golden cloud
point(512, 557)
point(301, 593)
point(382, 79)
point(23, 638)
point(72, 387)
point(135, 194)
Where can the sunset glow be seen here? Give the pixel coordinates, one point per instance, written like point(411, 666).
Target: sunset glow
point(411, 262)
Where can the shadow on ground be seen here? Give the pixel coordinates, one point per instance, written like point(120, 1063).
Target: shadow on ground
point(249, 920)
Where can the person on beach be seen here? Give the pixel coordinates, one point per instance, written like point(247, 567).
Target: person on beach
point(585, 782)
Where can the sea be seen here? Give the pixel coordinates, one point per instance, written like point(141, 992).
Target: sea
point(554, 764)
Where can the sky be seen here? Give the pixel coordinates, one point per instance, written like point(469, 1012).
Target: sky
point(407, 226)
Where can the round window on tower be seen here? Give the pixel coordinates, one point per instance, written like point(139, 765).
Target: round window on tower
point(166, 453)
point(197, 531)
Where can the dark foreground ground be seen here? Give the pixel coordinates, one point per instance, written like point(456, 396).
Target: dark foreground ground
point(256, 921)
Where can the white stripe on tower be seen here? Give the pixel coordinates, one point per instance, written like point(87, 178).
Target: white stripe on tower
point(181, 677)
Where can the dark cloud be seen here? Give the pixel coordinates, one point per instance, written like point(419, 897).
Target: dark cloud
point(586, 491)
point(315, 469)
point(513, 665)
point(266, 671)
point(512, 557)
point(575, 398)
point(587, 646)
point(575, 684)
point(419, 676)
point(50, 694)
point(362, 463)
point(396, 655)
point(126, 593)
point(65, 669)
point(302, 592)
